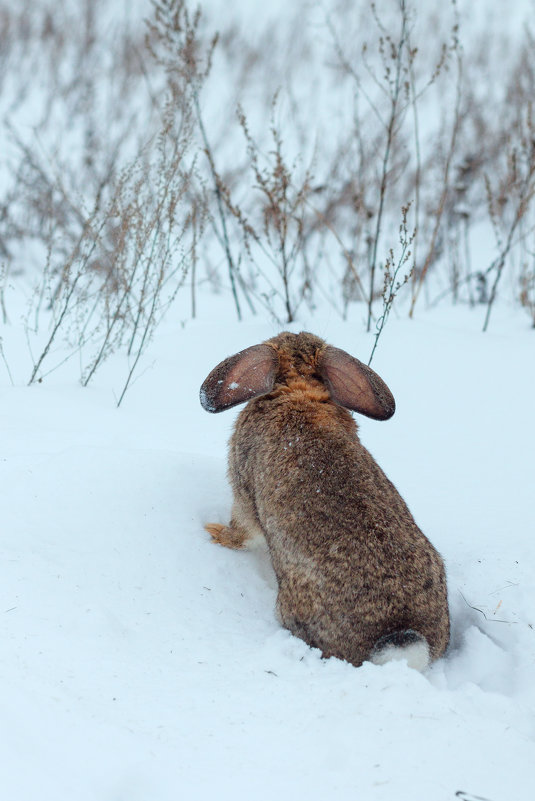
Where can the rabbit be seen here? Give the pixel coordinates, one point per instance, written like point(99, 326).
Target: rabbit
point(356, 576)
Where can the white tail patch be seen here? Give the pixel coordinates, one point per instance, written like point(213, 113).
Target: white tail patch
point(409, 646)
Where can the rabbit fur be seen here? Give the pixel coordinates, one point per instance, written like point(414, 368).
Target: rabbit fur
point(356, 576)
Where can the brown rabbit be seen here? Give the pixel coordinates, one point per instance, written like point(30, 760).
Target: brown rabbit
point(356, 576)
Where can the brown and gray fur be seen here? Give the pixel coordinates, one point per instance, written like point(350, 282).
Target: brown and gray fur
point(354, 571)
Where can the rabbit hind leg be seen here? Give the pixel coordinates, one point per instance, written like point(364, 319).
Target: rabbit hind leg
point(243, 531)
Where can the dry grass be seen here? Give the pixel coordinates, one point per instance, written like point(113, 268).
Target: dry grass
point(290, 185)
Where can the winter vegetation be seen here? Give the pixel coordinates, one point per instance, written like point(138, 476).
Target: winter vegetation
point(179, 182)
point(345, 153)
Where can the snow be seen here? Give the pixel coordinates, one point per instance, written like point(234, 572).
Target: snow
point(141, 661)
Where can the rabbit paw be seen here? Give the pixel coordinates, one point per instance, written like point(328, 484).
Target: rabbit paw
point(228, 536)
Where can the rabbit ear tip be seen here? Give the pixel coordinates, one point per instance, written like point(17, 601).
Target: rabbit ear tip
point(389, 407)
point(206, 402)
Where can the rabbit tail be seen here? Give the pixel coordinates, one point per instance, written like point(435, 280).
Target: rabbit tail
point(408, 645)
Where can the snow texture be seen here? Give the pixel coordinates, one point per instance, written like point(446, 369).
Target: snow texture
point(141, 661)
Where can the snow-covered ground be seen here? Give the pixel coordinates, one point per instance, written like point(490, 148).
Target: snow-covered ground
point(141, 662)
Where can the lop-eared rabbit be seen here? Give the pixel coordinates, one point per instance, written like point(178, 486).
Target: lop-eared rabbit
point(356, 576)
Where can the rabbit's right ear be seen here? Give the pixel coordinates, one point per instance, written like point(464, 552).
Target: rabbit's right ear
point(354, 385)
point(249, 373)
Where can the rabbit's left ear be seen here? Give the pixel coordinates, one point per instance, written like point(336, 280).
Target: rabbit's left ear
point(241, 377)
point(354, 385)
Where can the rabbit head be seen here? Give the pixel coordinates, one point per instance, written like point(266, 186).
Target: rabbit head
point(297, 361)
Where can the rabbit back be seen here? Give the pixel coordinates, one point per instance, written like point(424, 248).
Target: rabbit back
point(351, 563)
